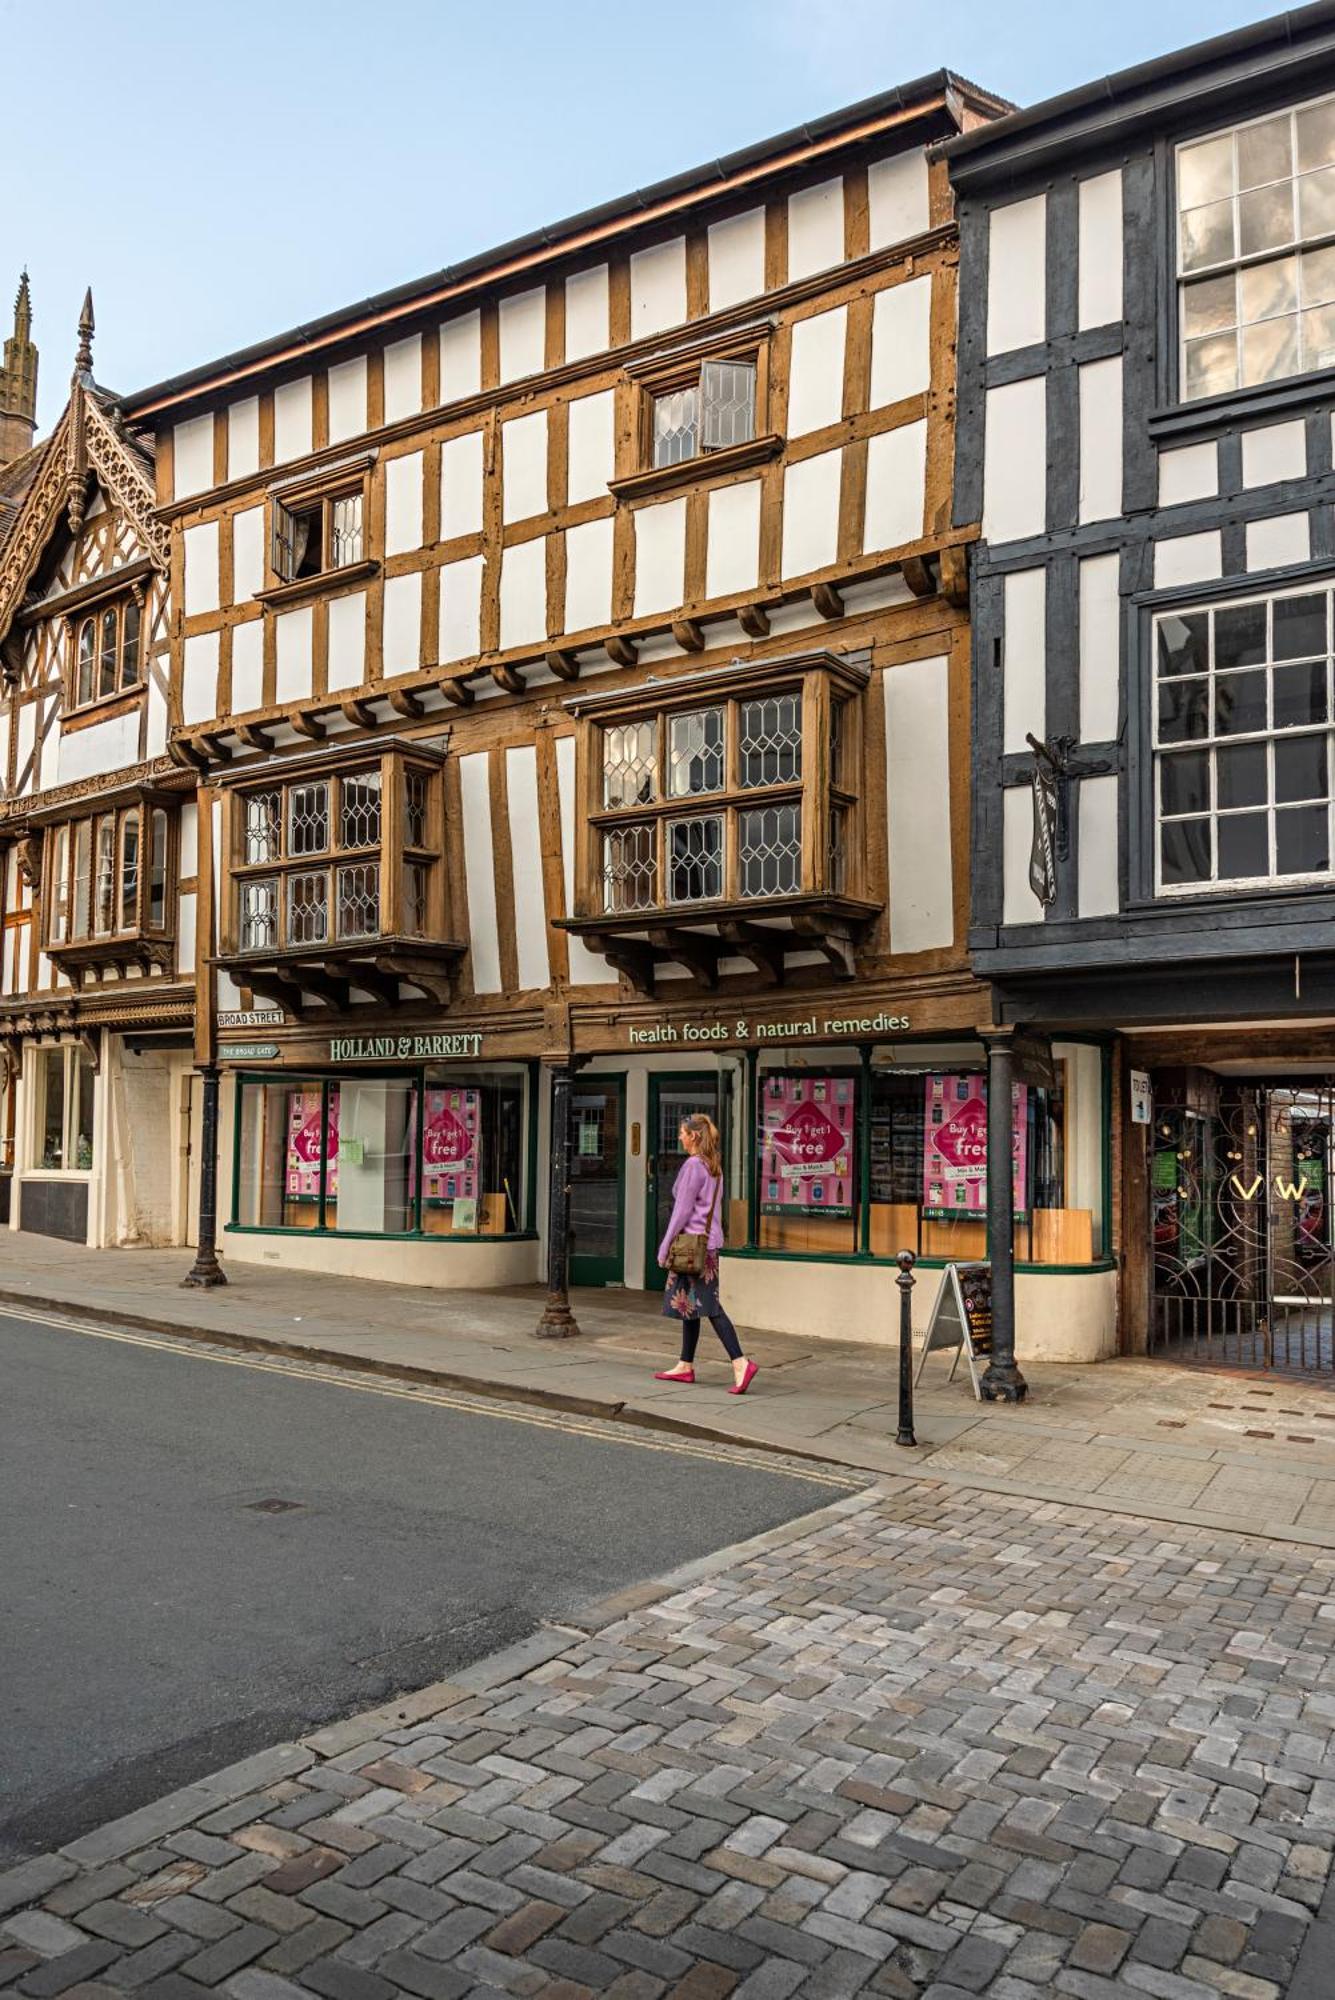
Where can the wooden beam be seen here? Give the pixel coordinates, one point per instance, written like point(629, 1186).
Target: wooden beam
point(183, 750)
point(457, 692)
point(918, 576)
point(699, 955)
point(404, 702)
point(214, 750)
point(763, 948)
point(833, 938)
point(688, 635)
point(621, 652)
point(435, 976)
point(375, 979)
point(359, 712)
point(633, 960)
point(307, 723)
point(564, 665)
point(508, 678)
point(955, 576)
point(754, 620)
point(827, 600)
point(253, 736)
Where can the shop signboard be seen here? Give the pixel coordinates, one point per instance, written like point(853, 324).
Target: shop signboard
point(806, 1144)
point(1142, 1101)
point(962, 1319)
point(250, 1017)
point(954, 1147)
point(247, 1051)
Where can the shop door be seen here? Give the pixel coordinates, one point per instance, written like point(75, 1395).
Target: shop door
point(597, 1180)
point(1244, 1259)
point(672, 1097)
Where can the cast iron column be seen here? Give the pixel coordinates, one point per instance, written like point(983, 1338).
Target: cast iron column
point(905, 1261)
point(558, 1322)
point(206, 1270)
point(1002, 1380)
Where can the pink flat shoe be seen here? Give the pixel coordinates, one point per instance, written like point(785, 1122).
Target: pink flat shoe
point(665, 1376)
point(740, 1388)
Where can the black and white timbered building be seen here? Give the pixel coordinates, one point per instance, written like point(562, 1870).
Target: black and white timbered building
point(1147, 392)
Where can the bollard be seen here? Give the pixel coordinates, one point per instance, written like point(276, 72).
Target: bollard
point(905, 1282)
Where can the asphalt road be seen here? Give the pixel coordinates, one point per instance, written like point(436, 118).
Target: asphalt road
point(159, 1618)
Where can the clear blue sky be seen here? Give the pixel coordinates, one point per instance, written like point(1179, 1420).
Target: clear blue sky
point(221, 171)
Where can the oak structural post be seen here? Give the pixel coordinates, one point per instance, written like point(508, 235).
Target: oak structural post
point(558, 1322)
point(206, 1270)
point(1002, 1380)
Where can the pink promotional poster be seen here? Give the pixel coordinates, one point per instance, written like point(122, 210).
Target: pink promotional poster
point(806, 1144)
point(303, 1145)
point(451, 1136)
point(954, 1148)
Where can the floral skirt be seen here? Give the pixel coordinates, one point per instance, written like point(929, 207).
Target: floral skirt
point(693, 1298)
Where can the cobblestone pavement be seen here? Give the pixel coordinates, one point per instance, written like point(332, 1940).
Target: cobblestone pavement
point(933, 1743)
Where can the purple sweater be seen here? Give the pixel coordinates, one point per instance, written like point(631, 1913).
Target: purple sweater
point(692, 1198)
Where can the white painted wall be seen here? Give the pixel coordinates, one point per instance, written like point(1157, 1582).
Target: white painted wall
point(1100, 388)
point(898, 197)
point(243, 438)
point(587, 968)
point(917, 754)
point(403, 623)
point(896, 487)
point(200, 551)
point(461, 357)
point(199, 679)
point(591, 450)
point(292, 419)
point(586, 312)
point(816, 372)
point(1015, 465)
point(1283, 539)
point(480, 872)
point(347, 399)
point(247, 553)
point(522, 320)
point(192, 455)
point(660, 557)
point(402, 372)
point(1100, 249)
point(736, 259)
point(657, 287)
point(1273, 453)
point(524, 593)
point(460, 609)
point(1024, 658)
point(811, 513)
point(815, 228)
point(732, 553)
point(524, 467)
point(347, 640)
point(293, 672)
point(102, 748)
point(521, 784)
point(901, 359)
point(461, 485)
point(1187, 559)
point(1100, 648)
point(1097, 894)
point(1017, 275)
point(588, 575)
point(247, 666)
point(1190, 472)
point(1019, 903)
point(403, 503)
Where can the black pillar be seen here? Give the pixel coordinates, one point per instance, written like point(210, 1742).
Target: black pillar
point(1002, 1380)
point(206, 1270)
point(558, 1322)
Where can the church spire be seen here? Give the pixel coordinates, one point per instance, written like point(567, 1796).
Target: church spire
point(18, 382)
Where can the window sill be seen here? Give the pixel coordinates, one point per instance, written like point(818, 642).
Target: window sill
point(104, 709)
point(376, 1235)
point(327, 581)
point(705, 465)
point(1213, 414)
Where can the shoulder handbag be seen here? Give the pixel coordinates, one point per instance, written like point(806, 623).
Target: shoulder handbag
point(687, 1252)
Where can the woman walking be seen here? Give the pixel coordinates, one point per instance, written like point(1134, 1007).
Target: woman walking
point(693, 1295)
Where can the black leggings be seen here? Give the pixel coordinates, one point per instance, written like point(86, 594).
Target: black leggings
point(723, 1327)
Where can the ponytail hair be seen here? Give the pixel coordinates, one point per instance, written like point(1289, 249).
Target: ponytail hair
point(705, 1133)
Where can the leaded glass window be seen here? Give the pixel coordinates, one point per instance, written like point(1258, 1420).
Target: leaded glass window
point(695, 752)
point(770, 839)
point(359, 815)
point(630, 868)
point(308, 907)
point(695, 858)
point(630, 763)
point(308, 819)
point(771, 732)
point(359, 900)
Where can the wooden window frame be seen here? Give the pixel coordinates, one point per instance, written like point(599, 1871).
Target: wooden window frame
point(818, 791)
point(90, 618)
point(62, 856)
point(391, 855)
point(659, 376)
point(350, 478)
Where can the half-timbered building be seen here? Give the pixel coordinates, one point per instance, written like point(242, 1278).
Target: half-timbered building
point(1147, 339)
point(97, 826)
point(572, 657)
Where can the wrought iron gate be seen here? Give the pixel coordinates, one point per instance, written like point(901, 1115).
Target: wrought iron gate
point(1244, 1268)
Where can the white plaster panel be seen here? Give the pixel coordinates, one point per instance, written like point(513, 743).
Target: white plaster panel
point(896, 487)
point(1283, 539)
point(480, 872)
point(1188, 559)
point(460, 609)
point(1096, 867)
point(461, 357)
point(1190, 472)
point(1019, 904)
point(293, 675)
point(815, 228)
point(816, 372)
point(243, 438)
point(732, 553)
point(588, 575)
point(901, 346)
point(524, 593)
point(347, 640)
point(199, 679)
point(1273, 453)
point(521, 785)
point(292, 419)
point(524, 466)
point(1014, 468)
point(403, 503)
point(247, 553)
point(657, 287)
point(461, 485)
point(201, 568)
point(917, 776)
point(402, 373)
point(1100, 649)
point(403, 623)
point(736, 259)
point(522, 323)
point(1017, 274)
point(897, 197)
point(347, 399)
point(192, 455)
point(587, 968)
point(50, 753)
point(660, 557)
point(586, 312)
point(811, 513)
point(1100, 249)
point(591, 454)
point(189, 838)
point(1101, 439)
point(1024, 658)
point(27, 736)
point(247, 666)
point(107, 746)
point(186, 907)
